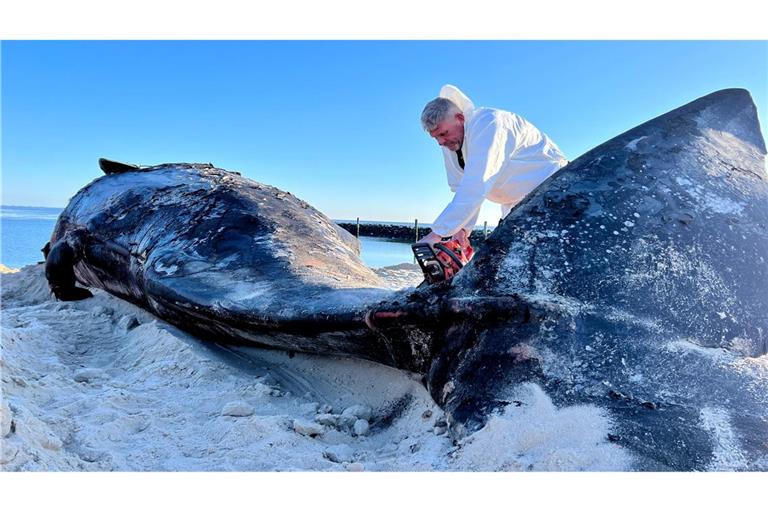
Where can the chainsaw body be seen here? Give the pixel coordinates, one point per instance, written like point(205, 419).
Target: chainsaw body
point(444, 261)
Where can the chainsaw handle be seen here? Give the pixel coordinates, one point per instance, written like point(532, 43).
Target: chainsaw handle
point(440, 247)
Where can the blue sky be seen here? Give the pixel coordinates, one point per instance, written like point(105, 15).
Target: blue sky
point(334, 122)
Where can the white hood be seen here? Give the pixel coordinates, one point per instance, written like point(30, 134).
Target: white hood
point(451, 92)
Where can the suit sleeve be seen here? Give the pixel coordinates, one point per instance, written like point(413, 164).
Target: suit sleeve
point(486, 149)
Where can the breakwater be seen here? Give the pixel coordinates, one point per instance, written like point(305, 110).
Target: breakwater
point(398, 232)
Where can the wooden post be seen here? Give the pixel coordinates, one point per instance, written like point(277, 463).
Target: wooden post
point(485, 229)
point(417, 230)
point(358, 228)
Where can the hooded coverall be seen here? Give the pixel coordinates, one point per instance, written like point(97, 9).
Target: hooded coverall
point(505, 158)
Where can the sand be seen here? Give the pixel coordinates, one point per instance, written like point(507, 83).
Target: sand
point(102, 385)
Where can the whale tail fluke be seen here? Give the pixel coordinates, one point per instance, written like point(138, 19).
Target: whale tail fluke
point(59, 270)
point(72, 294)
point(114, 167)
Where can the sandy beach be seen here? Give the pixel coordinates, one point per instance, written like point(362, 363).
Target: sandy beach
point(101, 385)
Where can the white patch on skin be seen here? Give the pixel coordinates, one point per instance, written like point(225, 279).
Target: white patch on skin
point(632, 145)
point(162, 269)
point(727, 454)
point(721, 205)
point(715, 354)
point(665, 271)
point(239, 292)
point(741, 346)
point(447, 389)
point(709, 200)
point(523, 352)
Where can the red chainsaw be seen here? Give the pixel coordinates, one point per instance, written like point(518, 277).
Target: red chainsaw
point(444, 261)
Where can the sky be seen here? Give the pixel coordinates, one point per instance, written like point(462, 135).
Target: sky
point(336, 123)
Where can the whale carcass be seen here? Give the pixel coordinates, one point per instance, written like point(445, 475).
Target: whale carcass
point(633, 280)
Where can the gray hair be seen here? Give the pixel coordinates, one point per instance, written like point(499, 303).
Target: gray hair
point(437, 111)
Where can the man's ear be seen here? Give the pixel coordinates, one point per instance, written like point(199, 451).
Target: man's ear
point(460, 117)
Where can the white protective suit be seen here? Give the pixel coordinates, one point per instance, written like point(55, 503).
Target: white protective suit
point(505, 158)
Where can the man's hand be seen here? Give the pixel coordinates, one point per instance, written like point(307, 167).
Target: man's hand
point(461, 236)
point(431, 239)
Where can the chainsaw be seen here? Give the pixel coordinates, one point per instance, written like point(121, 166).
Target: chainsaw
point(444, 261)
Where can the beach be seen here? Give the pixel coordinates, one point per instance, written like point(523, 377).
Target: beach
point(102, 385)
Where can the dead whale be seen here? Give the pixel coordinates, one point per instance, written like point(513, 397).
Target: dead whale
point(640, 273)
point(632, 280)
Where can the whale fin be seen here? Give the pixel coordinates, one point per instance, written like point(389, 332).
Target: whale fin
point(59, 270)
point(114, 167)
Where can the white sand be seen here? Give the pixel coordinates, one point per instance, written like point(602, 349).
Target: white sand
point(102, 385)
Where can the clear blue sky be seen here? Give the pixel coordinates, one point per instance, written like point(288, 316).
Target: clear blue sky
point(334, 122)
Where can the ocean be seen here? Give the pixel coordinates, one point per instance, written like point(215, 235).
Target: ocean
point(24, 230)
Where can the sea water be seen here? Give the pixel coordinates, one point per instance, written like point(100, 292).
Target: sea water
point(24, 230)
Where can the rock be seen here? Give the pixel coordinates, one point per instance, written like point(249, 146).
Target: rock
point(52, 442)
point(310, 408)
point(426, 414)
point(237, 409)
point(307, 428)
point(268, 380)
point(6, 419)
point(102, 310)
point(346, 420)
point(358, 411)
point(325, 409)
point(329, 420)
point(90, 455)
point(352, 414)
point(8, 452)
point(439, 431)
point(339, 453)
point(127, 323)
point(354, 466)
point(88, 374)
point(361, 427)
point(259, 389)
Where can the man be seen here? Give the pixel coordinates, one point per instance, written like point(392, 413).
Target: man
point(489, 154)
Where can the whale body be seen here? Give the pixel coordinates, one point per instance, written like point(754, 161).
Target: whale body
point(634, 280)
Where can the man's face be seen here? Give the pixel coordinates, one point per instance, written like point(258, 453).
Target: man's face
point(449, 132)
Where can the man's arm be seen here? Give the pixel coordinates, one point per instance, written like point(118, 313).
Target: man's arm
point(432, 238)
point(486, 150)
